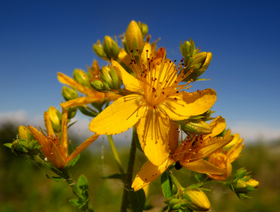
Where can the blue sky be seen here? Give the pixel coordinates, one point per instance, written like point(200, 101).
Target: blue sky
point(40, 38)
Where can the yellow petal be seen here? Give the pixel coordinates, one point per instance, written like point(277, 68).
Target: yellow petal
point(130, 82)
point(119, 116)
point(235, 154)
point(149, 172)
point(72, 83)
point(153, 133)
point(80, 101)
point(184, 105)
point(84, 145)
point(48, 124)
point(64, 140)
point(215, 144)
point(217, 125)
point(202, 166)
point(124, 57)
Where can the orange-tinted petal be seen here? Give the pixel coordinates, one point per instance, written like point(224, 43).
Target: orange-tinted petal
point(173, 136)
point(48, 124)
point(84, 145)
point(149, 172)
point(64, 140)
point(202, 166)
point(218, 125)
point(119, 116)
point(41, 139)
point(72, 83)
point(80, 101)
point(153, 133)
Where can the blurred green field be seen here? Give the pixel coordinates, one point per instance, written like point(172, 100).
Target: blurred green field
point(24, 187)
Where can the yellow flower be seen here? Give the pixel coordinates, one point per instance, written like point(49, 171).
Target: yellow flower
point(189, 154)
point(223, 158)
point(54, 147)
point(153, 100)
point(91, 94)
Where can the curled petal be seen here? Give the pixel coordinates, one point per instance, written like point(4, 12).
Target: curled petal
point(202, 166)
point(80, 101)
point(148, 173)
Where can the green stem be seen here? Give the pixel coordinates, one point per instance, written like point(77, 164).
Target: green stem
point(174, 179)
point(128, 176)
point(115, 153)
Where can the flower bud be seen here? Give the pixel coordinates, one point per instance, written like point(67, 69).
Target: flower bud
point(69, 93)
point(134, 37)
point(55, 117)
point(99, 51)
point(187, 49)
point(24, 133)
point(81, 77)
point(144, 28)
point(198, 201)
point(110, 76)
point(72, 111)
point(98, 85)
point(195, 126)
point(252, 182)
point(111, 48)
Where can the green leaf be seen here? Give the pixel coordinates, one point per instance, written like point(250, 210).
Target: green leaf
point(113, 176)
point(74, 161)
point(166, 185)
point(9, 145)
point(75, 202)
point(56, 179)
point(82, 182)
point(137, 200)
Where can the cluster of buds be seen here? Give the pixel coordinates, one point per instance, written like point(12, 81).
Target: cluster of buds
point(194, 60)
point(25, 144)
point(243, 183)
point(110, 80)
point(188, 200)
point(108, 50)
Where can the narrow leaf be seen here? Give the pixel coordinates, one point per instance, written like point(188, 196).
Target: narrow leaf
point(137, 200)
point(166, 185)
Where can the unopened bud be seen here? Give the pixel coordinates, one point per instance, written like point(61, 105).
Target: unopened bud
point(144, 28)
point(111, 48)
point(24, 133)
point(69, 93)
point(196, 126)
point(252, 182)
point(81, 77)
point(134, 37)
point(98, 85)
point(72, 111)
point(110, 76)
point(99, 51)
point(55, 117)
point(198, 201)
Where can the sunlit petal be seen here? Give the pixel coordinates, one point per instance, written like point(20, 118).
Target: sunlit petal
point(119, 116)
point(153, 133)
point(80, 101)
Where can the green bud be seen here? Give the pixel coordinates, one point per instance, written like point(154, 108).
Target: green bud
point(55, 117)
point(177, 206)
point(240, 185)
point(174, 202)
point(111, 48)
point(99, 51)
point(144, 28)
point(81, 77)
point(106, 76)
point(195, 126)
point(69, 93)
point(110, 76)
point(87, 112)
point(186, 49)
point(240, 173)
point(72, 111)
point(98, 86)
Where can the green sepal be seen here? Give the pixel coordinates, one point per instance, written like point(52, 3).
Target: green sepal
point(113, 176)
point(87, 112)
point(75, 202)
point(74, 161)
point(9, 145)
point(56, 179)
point(166, 185)
point(137, 200)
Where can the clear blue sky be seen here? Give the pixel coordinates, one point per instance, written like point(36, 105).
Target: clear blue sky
point(40, 38)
